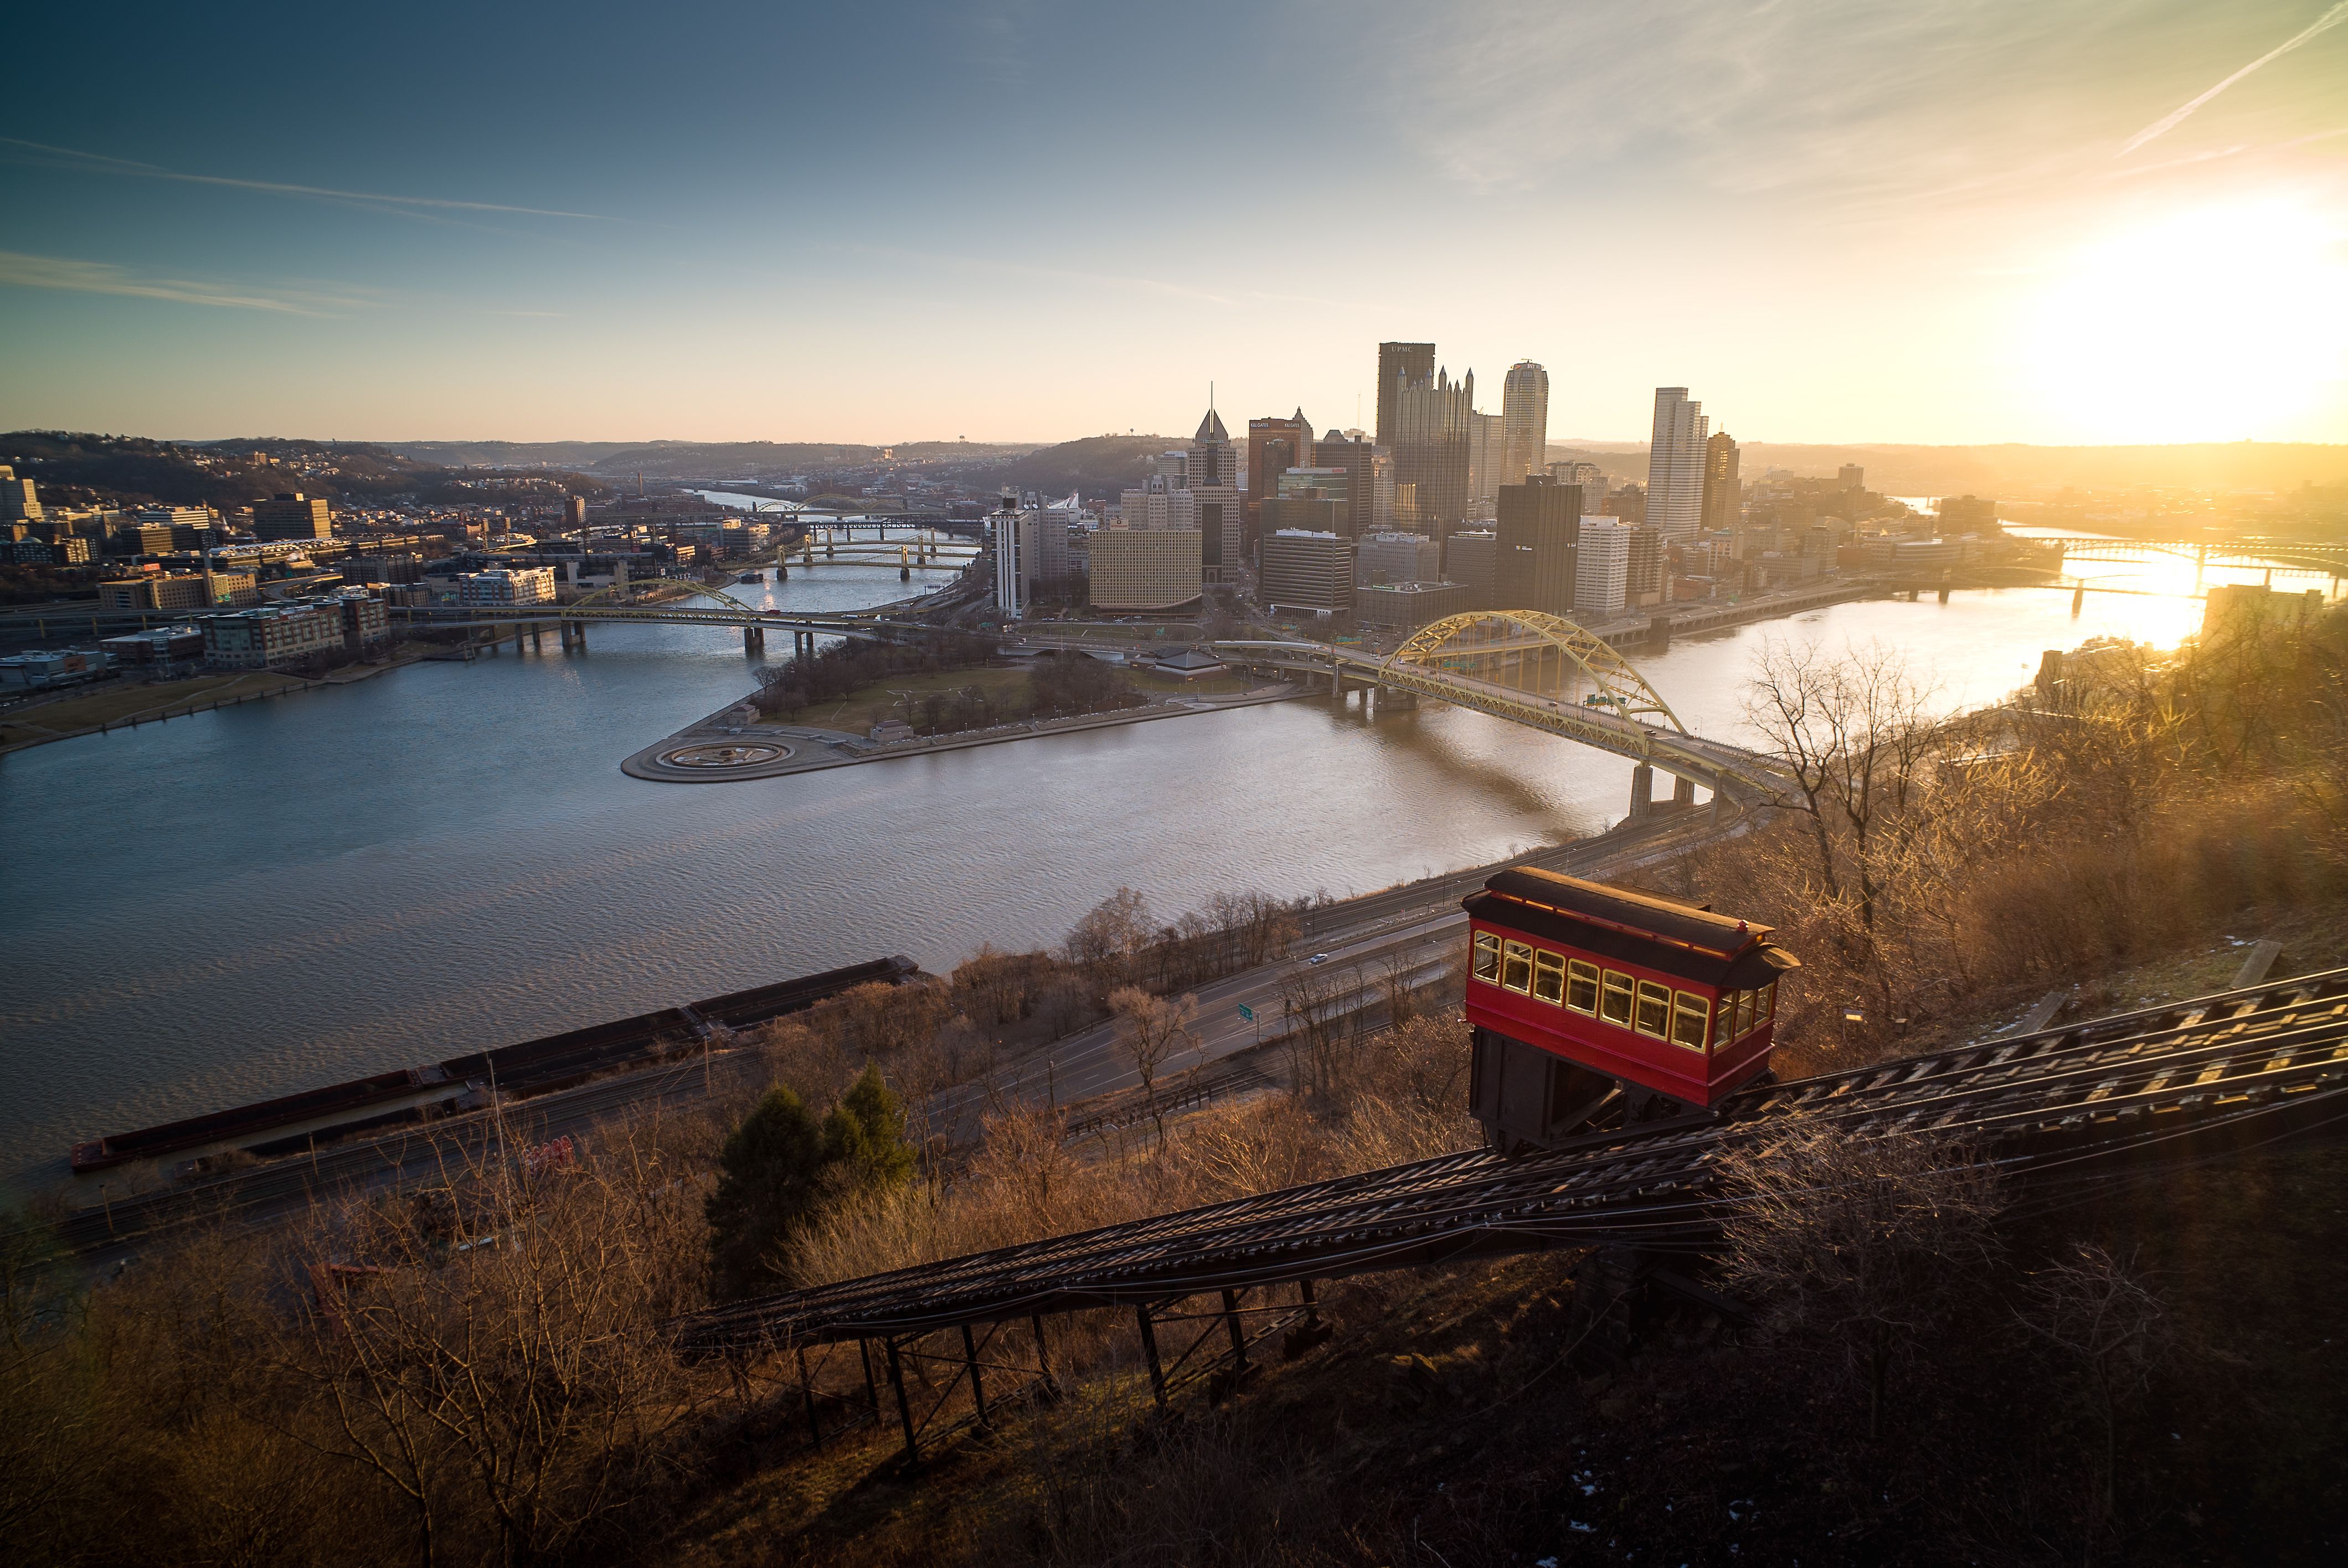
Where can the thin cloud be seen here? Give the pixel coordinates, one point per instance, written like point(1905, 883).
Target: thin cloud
point(100, 163)
point(2171, 120)
point(18, 270)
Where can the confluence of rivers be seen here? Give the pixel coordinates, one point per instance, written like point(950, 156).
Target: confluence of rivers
point(272, 897)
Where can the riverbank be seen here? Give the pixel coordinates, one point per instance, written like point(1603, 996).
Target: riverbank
point(126, 705)
point(806, 749)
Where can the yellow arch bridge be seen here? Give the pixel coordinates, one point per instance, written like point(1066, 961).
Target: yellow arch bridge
point(1546, 673)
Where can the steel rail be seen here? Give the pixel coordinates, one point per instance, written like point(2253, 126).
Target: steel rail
point(2044, 1100)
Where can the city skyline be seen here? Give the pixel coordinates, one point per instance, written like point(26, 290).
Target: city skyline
point(1845, 225)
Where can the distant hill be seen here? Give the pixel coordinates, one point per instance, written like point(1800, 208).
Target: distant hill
point(2014, 469)
point(133, 470)
point(1096, 466)
point(653, 459)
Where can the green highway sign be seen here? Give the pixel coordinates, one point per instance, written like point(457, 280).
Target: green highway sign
point(1247, 1013)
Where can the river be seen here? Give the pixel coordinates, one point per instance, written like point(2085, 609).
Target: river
point(267, 897)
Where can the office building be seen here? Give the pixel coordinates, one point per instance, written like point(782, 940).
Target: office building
point(1158, 504)
point(1044, 552)
point(1588, 475)
point(273, 635)
point(574, 512)
point(1317, 485)
point(1408, 606)
point(1471, 557)
point(1601, 568)
point(136, 538)
point(1309, 514)
point(1675, 464)
point(1485, 459)
point(1275, 446)
point(178, 590)
point(1721, 491)
point(507, 585)
point(1397, 558)
point(292, 517)
point(1211, 459)
point(1524, 420)
point(1968, 515)
point(1003, 542)
point(1539, 533)
point(1399, 364)
point(1851, 476)
point(1643, 563)
point(18, 504)
point(1302, 570)
point(1430, 451)
point(1212, 474)
point(1145, 569)
point(1628, 503)
point(1363, 465)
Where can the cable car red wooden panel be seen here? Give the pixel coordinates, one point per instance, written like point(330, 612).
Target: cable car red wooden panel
point(1644, 995)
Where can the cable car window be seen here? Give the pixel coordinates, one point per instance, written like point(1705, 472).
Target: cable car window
point(1488, 958)
point(1654, 1010)
point(1690, 1013)
point(1737, 1013)
point(1516, 966)
point(1616, 998)
point(1582, 986)
point(1765, 1006)
point(1614, 1001)
point(1549, 978)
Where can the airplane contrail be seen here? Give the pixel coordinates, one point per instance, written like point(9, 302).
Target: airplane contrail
point(2169, 122)
point(101, 162)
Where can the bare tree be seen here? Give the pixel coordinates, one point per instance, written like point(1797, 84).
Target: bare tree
point(1153, 1029)
point(1853, 731)
point(516, 1365)
point(1861, 1243)
point(2099, 1312)
point(1113, 931)
point(1322, 1004)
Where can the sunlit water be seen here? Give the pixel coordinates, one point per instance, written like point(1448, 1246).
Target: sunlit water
point(279, 895)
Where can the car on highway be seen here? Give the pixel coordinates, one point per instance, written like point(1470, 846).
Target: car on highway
point(1318, 958)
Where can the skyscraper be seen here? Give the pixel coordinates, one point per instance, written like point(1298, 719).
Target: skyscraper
point(1359, 461)
point(1539, 537)
point(1524, 422)
point(1486, 457)
point(1399, 363)
point(1675, 464)
point(1430, 450)
point(1275, 446)
point(1212, 461)
point(1720, 486)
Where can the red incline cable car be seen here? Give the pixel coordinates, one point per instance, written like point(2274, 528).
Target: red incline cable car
point(1594, 1005)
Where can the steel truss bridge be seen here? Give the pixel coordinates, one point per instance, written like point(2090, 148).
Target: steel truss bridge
point(2254, 554)
point(1541, 671)
point(605, 605)
point(2087, 1103)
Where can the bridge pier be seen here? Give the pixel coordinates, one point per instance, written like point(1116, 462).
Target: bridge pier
point(1643, 790)
point(537, 637)
point(2078, 599)
point(1683, 795)
point(753, 639)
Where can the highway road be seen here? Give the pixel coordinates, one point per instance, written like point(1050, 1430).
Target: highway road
point(1417, 926)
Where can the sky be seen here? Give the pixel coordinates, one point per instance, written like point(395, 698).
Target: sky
point(1836, 220)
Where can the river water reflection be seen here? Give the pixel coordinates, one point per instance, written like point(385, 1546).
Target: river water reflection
point(279, 895)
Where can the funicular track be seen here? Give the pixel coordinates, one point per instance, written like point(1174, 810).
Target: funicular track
point(2068, 1102)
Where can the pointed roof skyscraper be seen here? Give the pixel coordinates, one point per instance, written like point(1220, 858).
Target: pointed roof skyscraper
point(1210, 428)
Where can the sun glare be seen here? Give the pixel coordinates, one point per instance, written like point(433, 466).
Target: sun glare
point(2216, 325)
